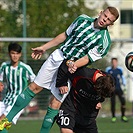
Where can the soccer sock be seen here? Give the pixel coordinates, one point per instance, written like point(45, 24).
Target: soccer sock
point(4, 131)
point(22, 101)
point(113, 110)
point(48, 120)
point(123, 111)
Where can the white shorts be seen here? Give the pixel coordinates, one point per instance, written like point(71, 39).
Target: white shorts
point(5, 109)
point(49, 69)
point(2, 107)
point(47, 74)
point(55, 91)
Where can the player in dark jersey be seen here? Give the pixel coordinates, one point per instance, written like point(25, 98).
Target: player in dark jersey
point(89, 88)
point(117, 73)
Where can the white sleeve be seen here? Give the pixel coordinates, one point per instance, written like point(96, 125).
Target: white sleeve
point(70, 28)
point(30, 74)
point(94, 54)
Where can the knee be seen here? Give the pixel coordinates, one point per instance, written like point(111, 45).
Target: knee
point(35, 88)
point(123, 106)
point(54, 103)
point(123, 102)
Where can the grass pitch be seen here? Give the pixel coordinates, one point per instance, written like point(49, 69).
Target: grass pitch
point(104, 126)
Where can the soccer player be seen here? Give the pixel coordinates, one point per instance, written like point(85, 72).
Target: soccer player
point(1, 87)
point(17, 76)
point(80, 108)
point(117, 72)
point(85, 41)
point(1, 103)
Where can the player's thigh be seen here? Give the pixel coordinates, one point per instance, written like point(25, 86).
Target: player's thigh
point(48, 71)
point(65, 130)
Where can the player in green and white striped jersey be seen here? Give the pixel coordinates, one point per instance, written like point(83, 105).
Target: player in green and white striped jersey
point(17, 76)
point(88, 40)
point(85, 41)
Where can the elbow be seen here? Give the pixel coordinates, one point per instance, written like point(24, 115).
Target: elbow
point(86, 58)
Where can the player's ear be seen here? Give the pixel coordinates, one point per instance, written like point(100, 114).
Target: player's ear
point(111, 24)
point(20, 54)
point(100, 13)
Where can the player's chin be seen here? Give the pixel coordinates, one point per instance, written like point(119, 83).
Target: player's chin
point(102, 26)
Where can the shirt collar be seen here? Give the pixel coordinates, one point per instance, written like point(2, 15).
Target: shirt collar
point(92, 25)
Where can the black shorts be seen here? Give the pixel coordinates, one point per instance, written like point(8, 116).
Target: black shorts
point(68, 119)
point(90, 128)
point(65, 119)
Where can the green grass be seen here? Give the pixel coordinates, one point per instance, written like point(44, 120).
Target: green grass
point(104, 126)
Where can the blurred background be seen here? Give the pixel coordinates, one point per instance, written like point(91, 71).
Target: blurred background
point(34, 22)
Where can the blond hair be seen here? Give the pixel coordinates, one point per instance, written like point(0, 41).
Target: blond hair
point(113, 11)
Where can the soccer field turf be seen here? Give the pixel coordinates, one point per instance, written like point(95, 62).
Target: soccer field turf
point(104, 126)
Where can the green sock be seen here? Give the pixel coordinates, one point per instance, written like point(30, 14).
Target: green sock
point(22, 101)
point(48, 120)
point(4, 131)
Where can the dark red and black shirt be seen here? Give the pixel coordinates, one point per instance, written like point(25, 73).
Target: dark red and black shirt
point(82, 97)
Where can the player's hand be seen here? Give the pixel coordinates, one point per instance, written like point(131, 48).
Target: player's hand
point(63, 89)
point(1, 87)
point(71, 66)
point(72, 69)
point(99, 106)
point(37, 52)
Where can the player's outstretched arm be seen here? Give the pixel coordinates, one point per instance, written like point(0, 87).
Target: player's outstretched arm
point(1, 86)
point(39, 51)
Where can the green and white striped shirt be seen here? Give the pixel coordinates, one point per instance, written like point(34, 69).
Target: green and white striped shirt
point(17, 79)
point(83, 39)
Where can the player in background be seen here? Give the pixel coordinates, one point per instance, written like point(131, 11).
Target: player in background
point(2, 106)
point(117, 72)
point(89, 88)
point(17, 76)
point(1, 103)
point(85, 41)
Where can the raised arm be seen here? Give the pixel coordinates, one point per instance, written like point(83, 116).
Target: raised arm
point(38, 51)
point(72, 67)
point(82, 61)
